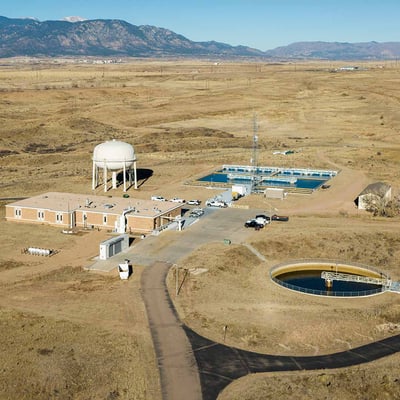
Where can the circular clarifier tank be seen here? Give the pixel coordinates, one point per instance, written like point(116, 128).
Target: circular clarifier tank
point(330, 278)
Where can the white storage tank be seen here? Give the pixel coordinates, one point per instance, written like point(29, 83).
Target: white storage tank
point(114, 156)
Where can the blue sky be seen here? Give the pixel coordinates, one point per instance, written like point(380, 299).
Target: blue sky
point(263, 24)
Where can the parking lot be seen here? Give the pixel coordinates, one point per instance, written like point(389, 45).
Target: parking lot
point(215, 225)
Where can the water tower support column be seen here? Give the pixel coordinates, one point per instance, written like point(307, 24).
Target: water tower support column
point(114, 180)
point(124, 174)
point(94, 176)
point(135, 173)
point(105, 176)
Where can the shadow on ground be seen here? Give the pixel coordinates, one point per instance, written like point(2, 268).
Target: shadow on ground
point(142, 174)
point(219, 365)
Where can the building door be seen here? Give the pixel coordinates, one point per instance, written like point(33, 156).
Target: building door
point(59, 218)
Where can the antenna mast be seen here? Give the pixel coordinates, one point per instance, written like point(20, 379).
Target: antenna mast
point(254, 161)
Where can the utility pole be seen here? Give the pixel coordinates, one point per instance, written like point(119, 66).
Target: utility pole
point(178, 285)
point(176, 279)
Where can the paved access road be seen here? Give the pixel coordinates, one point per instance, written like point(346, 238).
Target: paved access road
point(180, 379)
point(193, 367)
point(178, 369)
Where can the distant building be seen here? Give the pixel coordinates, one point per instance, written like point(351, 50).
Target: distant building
point(348, 68)
point(374, 190)
point(67, 210)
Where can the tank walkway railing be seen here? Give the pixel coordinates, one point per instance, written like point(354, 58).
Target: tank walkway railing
point(269, 170)
point(339, 276)
point(329, 293)
point(261, 178)
point(327, 261)
point(247, 168)
point(393, 285)
point(292, 180)
point(240, 176)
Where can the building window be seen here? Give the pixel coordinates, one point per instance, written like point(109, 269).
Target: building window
point(18, 213)
point(59, 218)
point(40, 215)
point(105, 219)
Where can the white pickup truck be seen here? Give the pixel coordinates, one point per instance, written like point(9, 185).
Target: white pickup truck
point(216, 203)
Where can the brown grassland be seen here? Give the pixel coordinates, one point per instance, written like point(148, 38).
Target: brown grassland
point(67, 333)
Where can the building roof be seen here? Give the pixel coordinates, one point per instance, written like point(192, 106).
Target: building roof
point(65, 202)
point(379, 188)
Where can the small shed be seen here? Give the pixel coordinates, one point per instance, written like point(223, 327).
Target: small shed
point(274, 193)
point(376, 190)
point(113, 246)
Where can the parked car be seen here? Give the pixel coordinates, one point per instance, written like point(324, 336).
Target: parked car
point(177, 200)
point(263, 217)
point(216, 203)
point(253, 223)
point(262, 220)
point(194, 202)
point(196, 212)
point(158, 198)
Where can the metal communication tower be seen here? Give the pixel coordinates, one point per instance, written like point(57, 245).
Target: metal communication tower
point(254, 161)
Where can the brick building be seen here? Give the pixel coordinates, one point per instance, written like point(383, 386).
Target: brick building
point(68, 211)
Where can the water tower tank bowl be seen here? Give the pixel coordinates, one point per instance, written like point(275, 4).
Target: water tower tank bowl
point(114, 155)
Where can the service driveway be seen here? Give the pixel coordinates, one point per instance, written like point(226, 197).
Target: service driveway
point(215, 225)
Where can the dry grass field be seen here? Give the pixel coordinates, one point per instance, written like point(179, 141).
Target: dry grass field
point(67, 333)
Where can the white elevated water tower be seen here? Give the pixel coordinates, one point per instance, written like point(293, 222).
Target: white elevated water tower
point(114, 156)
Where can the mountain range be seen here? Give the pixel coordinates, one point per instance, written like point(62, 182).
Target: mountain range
point(117, 38)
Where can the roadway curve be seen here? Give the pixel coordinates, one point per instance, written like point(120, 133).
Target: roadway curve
point(219, 365)
point(195, 368)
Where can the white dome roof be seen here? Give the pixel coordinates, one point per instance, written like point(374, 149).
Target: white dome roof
point(114, 155)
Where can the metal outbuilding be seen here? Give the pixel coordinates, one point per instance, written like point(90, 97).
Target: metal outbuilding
point(113, 246)
point(377, 189)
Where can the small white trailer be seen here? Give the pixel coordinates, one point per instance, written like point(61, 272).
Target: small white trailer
point(240, 191)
